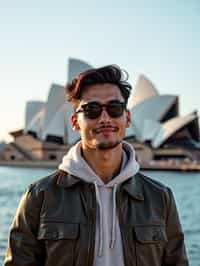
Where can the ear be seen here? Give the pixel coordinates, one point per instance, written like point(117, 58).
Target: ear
point(128, 118)
point(74, 122)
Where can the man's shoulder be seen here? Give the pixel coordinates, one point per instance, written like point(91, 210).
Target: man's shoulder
point(48, 182)
point(151, 184)
point(149, 181)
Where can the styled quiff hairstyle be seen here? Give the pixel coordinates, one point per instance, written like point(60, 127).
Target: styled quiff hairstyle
point(107, 74)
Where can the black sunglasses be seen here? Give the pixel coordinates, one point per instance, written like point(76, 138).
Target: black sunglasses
point(93, 110)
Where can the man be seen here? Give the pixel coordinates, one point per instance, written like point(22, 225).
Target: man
point(97, 209)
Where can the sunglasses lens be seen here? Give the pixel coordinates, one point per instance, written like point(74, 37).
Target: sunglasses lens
point(92, 110)
point(115, 109)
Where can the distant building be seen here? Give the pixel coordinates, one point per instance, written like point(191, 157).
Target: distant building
point(157, 130)
point(156, 120)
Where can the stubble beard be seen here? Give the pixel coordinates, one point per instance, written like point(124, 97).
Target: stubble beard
point(108, 146)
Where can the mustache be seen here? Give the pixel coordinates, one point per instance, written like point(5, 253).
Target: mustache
point(98, 129)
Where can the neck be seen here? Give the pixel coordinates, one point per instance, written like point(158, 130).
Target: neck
point(105, 163)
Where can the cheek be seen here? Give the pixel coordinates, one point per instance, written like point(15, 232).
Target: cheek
point(86, 125)
point(123, 123)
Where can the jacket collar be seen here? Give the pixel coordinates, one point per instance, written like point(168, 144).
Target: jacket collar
point(66, 180)
point(134, 187)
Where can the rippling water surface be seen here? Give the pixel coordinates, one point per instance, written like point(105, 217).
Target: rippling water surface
point(186, 188)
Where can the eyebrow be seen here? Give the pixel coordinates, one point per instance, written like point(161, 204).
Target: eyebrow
point(114, 100)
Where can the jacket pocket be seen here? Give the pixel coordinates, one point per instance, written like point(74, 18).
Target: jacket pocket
point(150, 242)
point(150, 234)
point(60, 241)
point(57, 230)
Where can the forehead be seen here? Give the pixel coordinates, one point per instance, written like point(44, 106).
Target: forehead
point(101, 92)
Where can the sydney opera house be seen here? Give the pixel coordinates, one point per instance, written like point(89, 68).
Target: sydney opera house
point(158, 131)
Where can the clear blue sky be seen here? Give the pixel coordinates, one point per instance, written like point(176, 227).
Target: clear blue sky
point(160, 39)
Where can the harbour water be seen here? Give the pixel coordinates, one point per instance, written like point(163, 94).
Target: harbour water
point(185, 186)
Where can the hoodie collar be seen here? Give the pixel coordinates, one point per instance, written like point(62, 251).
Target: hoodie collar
point(74, 164)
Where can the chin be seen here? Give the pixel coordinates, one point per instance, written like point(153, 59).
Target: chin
point(107, 145)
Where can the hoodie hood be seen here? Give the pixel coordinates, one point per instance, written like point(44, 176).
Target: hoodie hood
point(74, 164)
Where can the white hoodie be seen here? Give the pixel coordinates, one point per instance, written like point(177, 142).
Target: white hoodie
point(108, 243)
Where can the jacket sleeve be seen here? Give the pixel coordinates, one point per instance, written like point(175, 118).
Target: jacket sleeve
point(23, 247)
point(175, 250)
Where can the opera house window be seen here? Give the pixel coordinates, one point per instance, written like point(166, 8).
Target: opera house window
point(12, 157)
point(52, 157)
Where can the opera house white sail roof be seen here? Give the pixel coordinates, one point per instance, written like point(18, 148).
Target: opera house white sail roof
point(76, 66)
point(155, 117)
point(54, 114)
point(36, 124)
point(144, 89)
point(34, 117)
point(32, 108)
point(170, 127)
point(147, 114)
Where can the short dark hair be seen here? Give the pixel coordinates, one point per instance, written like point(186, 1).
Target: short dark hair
point(107, 74)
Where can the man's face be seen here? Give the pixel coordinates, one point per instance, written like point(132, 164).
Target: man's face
point(103, 132)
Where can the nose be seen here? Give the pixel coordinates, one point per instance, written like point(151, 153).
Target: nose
point(104, 115)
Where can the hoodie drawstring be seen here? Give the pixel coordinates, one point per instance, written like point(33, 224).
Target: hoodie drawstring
point(113, 231)
point(113, 234)
point(100, 219)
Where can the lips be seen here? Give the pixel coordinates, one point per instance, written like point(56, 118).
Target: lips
point(105, 129)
